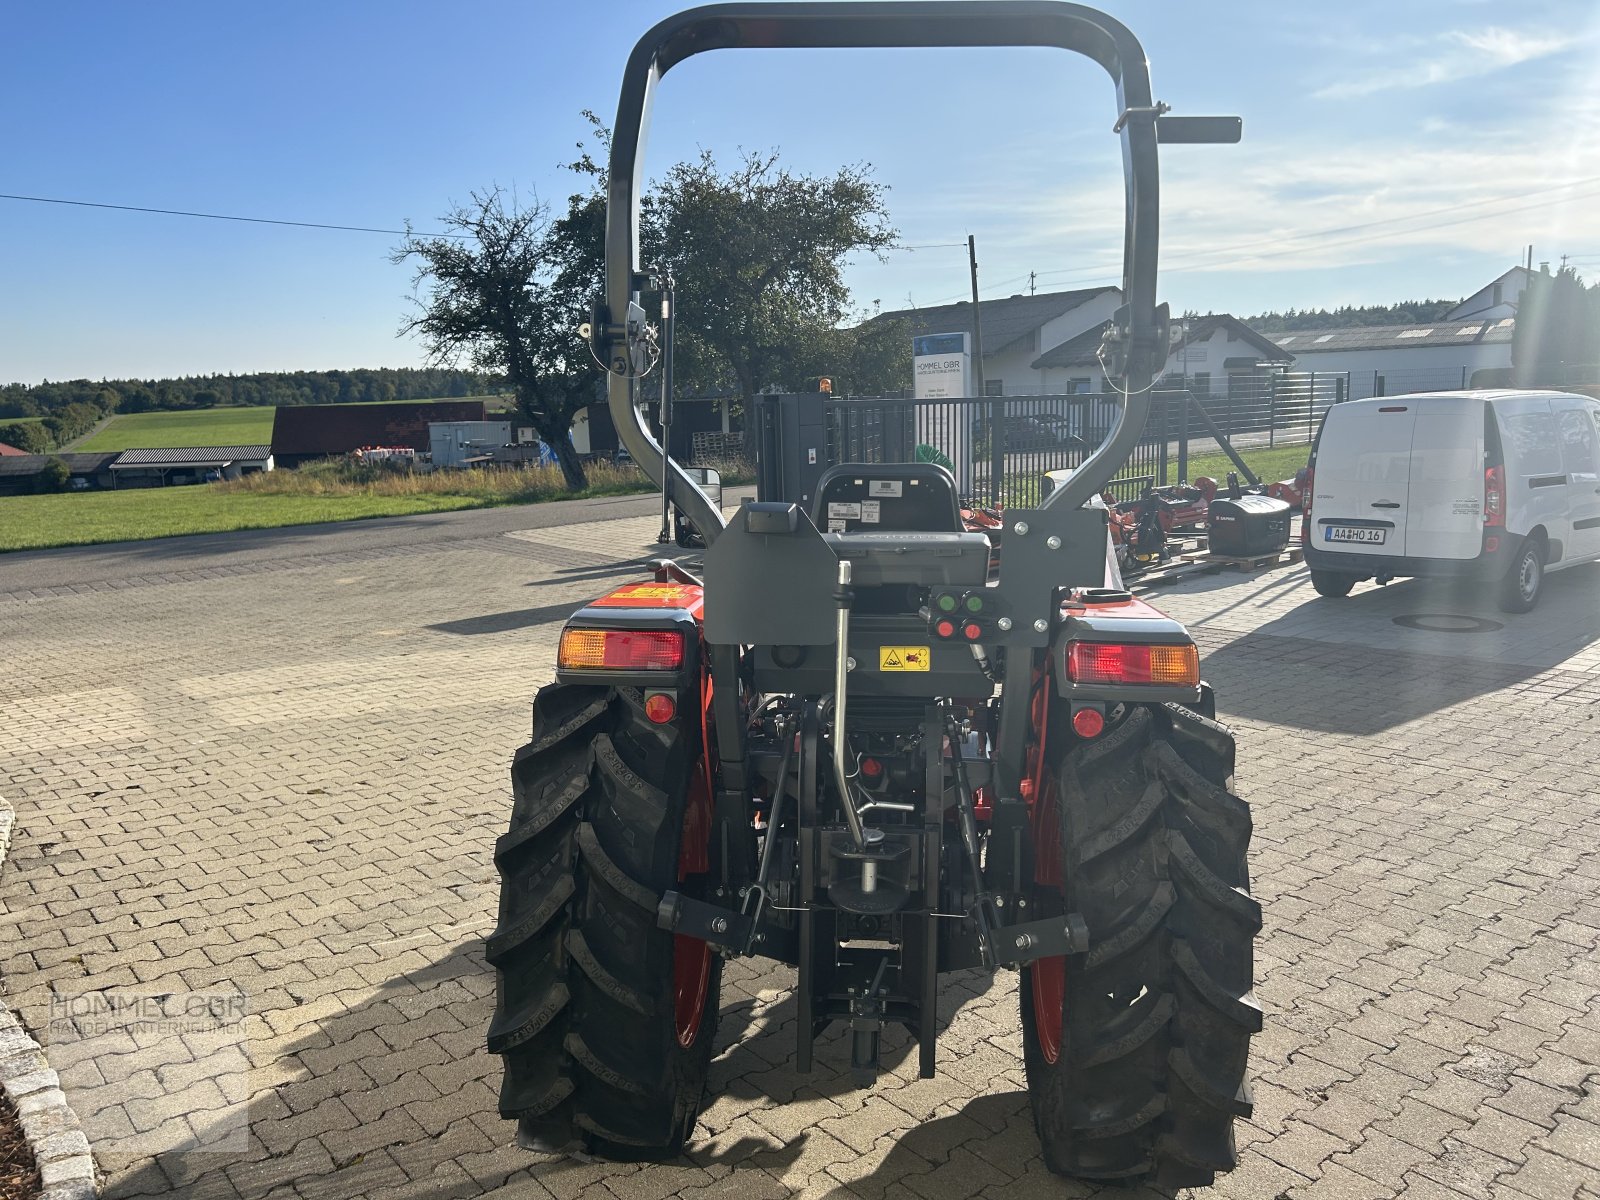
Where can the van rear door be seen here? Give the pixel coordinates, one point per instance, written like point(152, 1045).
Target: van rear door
point(1444, 510)
point(1363, 477)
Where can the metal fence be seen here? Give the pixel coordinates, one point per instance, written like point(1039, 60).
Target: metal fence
point(1048, 433)
point(1038, 434)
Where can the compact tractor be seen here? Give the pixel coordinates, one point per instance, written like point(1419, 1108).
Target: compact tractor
point(875, 755)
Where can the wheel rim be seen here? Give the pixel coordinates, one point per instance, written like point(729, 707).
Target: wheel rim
point(1049, 978)
point(691, 978)
point(1528, 583)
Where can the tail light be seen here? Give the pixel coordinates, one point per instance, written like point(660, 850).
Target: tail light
point(1305, 506)
point(1116, 662)
point(1494, 497)
point(620, 650)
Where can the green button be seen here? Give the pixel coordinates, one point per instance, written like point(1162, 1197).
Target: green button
point(947, 603)
point(974, 603)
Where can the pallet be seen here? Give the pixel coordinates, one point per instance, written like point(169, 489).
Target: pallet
point(1261, 562)
point(1204, 562)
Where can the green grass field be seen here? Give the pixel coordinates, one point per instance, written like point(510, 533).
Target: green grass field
point(277, 498)
point(203, 427)
point(1280, 462)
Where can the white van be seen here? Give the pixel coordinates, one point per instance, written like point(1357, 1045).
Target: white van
point(1498, 486)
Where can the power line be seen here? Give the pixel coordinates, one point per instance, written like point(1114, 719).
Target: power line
point(1226, 256)
point(175, 212)
point(1227, 252)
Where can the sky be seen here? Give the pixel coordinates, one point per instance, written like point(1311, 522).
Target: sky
point(1391, 151)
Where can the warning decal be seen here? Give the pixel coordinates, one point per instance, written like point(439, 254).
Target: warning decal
point(903, 658)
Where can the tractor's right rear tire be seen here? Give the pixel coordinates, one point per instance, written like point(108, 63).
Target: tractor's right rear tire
point(604, 1021)
point(1136, 1051)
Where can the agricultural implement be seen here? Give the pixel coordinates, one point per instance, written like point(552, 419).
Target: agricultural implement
point(864, 754)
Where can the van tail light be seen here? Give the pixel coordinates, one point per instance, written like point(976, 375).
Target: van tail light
point(1494, 497)
point(620, 650)
point(1119, 662)
point(1305, 506)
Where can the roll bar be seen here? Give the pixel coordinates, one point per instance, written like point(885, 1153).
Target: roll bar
point(1138, 340)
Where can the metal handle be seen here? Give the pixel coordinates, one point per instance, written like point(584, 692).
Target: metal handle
point(874, 24)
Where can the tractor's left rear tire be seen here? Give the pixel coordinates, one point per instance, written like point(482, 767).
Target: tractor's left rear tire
point(605, 1022)
point(1136, 1051)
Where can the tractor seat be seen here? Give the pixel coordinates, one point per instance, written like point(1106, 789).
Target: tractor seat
point(887, 498)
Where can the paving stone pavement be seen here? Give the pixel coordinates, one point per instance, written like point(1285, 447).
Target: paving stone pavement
point(288, 781)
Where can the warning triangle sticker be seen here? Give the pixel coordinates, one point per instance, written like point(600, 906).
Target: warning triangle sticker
point(893, 660)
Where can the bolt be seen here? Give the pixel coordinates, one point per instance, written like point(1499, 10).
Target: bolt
point(744, 891)
point(850, 663)
point(719, 925)
point(1020, 529)
point(1024, 941)
point(1041, 625)
point(1022, 904)
point(1004, 623)
point(999, 901)
point(1053, 542)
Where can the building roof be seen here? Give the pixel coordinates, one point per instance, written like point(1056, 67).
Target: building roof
point(8, 450)
point(1082, 351)
point(1191, 331)
point(1005, 322)
point(1461, 312)
point(32, 464)
point(1398, 337)
point(191, 456)
point(313, 429)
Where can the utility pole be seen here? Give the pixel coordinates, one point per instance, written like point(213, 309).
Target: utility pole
point(1032, 275)
point(668, 297)
point(997, 433)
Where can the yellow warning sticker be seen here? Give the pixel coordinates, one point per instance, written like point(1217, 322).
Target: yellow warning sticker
point(903, 658)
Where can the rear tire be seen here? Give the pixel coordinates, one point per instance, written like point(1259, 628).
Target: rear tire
point(1136, 1051)
point(1524, 583)
point(1332, 584)
point(599, 1051)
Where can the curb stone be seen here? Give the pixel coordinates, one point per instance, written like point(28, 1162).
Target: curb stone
point(66, 1165)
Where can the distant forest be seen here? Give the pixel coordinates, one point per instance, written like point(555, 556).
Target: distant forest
point(1407, 312)
point(71, 409)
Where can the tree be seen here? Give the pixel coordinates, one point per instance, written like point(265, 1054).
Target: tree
point(1557, 329)
point(54, 476)
point(31, 437)
point(493, 296)
point(759, 254)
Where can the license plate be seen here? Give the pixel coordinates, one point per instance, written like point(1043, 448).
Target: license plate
point(1354, 533)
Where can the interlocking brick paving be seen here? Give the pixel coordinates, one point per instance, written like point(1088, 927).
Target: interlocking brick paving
point(286, 773)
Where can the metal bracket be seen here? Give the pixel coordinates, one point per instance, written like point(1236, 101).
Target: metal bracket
point(1015, 945)
point(711, 923)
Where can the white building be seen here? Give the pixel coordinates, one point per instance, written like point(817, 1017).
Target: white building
point(1016, 330)
point(1390, 360)
point(1211, 354)
point(1494, 301)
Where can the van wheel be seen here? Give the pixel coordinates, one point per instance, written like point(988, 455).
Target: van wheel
point(1332, 583)
point(1520, 589)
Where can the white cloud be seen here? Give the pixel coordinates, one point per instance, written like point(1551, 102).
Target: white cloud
point(1459, 54)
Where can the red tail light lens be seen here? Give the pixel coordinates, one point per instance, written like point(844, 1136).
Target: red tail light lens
point(620, 650)
point(1111, 662)
point(1494, 497)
